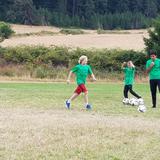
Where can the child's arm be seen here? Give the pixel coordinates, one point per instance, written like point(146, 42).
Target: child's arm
point(90, 72)
point(150, 67)
point(93, 77)
point(132, 65)
point(124, 64)
point(69, 76)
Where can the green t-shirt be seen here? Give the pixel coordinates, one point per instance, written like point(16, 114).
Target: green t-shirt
point(155, 71)
point(81, 71)
point(129, 75)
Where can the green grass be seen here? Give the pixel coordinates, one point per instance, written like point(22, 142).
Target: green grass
point(35, 125)
point(105, 98)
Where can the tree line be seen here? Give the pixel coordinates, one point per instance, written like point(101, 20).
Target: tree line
point(105, 14)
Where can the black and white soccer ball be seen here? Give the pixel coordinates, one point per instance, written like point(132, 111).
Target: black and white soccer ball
point(142, 108)
point(125, 101)
point(140, 101)
point(133, 102)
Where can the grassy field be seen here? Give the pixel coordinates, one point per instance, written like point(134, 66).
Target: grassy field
point(34, 124)
point(51, 36)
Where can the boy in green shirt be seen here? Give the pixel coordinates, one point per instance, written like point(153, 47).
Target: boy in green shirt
point(129, 72)
point(82, 70)
point(153, 69)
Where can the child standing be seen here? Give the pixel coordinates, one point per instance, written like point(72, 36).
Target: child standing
point(82, 70)
point(129, 72)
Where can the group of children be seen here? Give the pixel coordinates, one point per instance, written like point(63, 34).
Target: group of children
point(82, 70)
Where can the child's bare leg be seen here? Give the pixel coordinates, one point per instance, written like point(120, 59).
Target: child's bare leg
point(74, 96)
point(86, 98)
point(68, 102)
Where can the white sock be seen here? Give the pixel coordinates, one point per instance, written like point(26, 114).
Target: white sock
point(69, 101)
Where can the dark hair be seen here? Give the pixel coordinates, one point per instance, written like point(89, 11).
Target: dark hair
point(151, 52)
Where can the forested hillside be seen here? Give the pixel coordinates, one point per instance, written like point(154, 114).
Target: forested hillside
point(105, 14)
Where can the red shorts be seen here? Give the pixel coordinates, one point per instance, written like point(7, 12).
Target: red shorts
point(81, 88)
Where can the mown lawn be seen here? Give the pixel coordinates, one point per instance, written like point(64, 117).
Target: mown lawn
point(105, 98)
point(34, 124)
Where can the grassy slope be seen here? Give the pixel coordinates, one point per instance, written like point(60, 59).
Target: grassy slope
point(35, 125)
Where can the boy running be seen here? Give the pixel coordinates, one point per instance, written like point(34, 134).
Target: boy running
point(82, 70)
point(129, 72)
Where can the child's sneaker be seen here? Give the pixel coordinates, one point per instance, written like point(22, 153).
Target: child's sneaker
point(88, 106)
point(68, 104)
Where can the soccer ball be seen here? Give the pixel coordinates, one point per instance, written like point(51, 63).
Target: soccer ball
point(132, 101)
point(125, 101)
point(141, 101)
point(142, 108)
point(135, 102)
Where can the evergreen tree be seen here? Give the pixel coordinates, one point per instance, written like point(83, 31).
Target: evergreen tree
point(62, 6)
point(153, 42)
point(136, 6)
point(4, 7)
point(82, 13)
point(88, 12)
point(101, 6)
point(150, 8)
point(23, 11)
point(122, 6)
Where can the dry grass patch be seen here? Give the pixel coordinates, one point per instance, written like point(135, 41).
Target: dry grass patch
point(61, 134)
point(123, 39)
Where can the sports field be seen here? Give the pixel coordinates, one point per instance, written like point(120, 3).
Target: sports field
point(34, 124)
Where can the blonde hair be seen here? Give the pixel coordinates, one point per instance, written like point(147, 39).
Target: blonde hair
point(82, 58)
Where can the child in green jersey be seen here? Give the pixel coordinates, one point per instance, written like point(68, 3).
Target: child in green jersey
point(82, 70)
point(129, 73)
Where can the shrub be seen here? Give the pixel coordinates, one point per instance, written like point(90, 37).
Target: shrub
point(25, 54)
point(71, 31)
point(5, 31)
point(58, 56)
point(117, 31)
point(43, 62)
point(17, 55)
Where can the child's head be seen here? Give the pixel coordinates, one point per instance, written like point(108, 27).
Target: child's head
point(83, 60)
point(130, 64)
point(153, 55)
